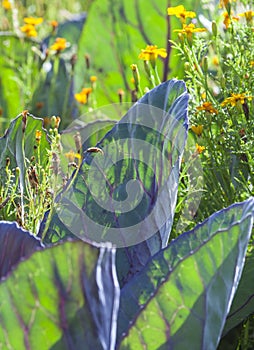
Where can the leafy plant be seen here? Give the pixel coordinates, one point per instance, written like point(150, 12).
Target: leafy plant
point(76, 295)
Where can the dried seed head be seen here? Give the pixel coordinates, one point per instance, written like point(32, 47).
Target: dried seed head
point(55, 163)
point(7, 162)
point(24, 120)
point(87, 59)
point(94, 150)
point(78, 143)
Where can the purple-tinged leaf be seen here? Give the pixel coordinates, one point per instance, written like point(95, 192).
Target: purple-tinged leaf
point(127, 194)
point(181, 298)
point(15, 244)
point(64, 297)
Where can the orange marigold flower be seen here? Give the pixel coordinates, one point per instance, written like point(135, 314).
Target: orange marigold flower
point(59, 45)
point(227, 19)
point(54, 24)
point(33, 20)
point(208, 107)
point(6, 5)
point(236, 99)
point(87, 91)
point(38, 136)
point(151, 52)
point(180, 12)
point(197, 129)
point(199, 148)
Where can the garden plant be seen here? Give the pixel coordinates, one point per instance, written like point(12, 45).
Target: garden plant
point(127, 175)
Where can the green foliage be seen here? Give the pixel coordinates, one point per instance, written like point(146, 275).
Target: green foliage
point(66, 295)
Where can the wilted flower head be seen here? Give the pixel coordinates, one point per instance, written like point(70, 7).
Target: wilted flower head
point(197, 129)
point(207, 107)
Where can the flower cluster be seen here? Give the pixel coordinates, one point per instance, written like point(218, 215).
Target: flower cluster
point(29, 28)
point(183, 14)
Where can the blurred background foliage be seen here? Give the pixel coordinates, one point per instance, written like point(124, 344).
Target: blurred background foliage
point(104, 38)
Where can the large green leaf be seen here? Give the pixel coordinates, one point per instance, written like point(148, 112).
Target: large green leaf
point(65, 297)
point(180, 300)
point(128, 194)
point(121, 29)
point(15, 243)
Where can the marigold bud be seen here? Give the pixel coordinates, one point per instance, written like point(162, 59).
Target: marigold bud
point(205, 64)
point(214, 28)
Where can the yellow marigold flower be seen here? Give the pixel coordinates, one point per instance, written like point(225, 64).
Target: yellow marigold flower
point(180, 12)
point(252, 63)
point(208, 107)
point(6, 5)
point(29, 30)
point(199, 148)
point(203, 95)
point(59, 45)
point(248, 16)
point(215, 60)
point(82, 96)
point(38, 136)
point(33, 21)
point(197, 129)
point(189, 29)
point(236, 99)
point(72, 155)
point(93, 78)
point(151, 52)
